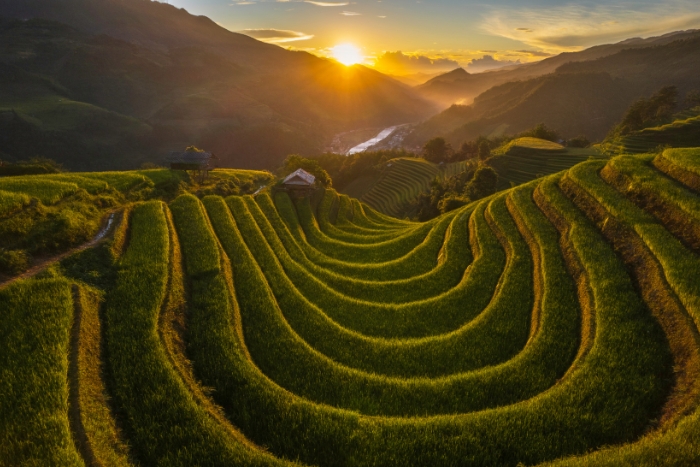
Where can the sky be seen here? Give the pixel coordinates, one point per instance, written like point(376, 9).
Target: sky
point(439, 35)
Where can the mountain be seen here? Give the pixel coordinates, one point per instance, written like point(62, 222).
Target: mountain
point(458, 87)
point(177, 79)
point(582, 98)
point(414, 79)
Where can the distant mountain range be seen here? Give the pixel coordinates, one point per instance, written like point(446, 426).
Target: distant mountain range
point(111, 84)
point(459, 86)
point(585, 93)
point(105, 84)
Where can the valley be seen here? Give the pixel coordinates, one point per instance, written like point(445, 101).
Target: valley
point(254, 248)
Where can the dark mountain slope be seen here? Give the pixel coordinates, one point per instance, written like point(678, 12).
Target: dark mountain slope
point(579, 98)
point(454, 88)
point(193, 82)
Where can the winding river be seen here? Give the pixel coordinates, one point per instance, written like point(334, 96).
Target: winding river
point(376, 140)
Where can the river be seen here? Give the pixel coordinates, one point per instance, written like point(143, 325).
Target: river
point(376, 140)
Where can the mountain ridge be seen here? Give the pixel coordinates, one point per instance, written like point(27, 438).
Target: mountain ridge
point(471, 86)
point(192, 81)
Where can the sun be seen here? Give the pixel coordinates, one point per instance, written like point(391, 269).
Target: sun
point(347, 54)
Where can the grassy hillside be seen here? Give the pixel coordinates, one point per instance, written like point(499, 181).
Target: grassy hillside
point(526, 159)
point(45, 215)
point(555, 323)
point(401, 181)
point(684, 131)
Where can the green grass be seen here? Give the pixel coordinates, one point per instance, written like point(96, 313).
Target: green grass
point(421, 260)
point(401, 182)
point(358, 236)
point(91, 185)
point(533, 143)
point(383, 251)
point(683, 132)
point(165, 424)
point(187, 211)
point(12, 202)
point(120, 181)
point(34, 343)
point(623, 331)
point(686, 159)
point(526, 159)
point(452, 261)
point(556, 322)
point(47, 191)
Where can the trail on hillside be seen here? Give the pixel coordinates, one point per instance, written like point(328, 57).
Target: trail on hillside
point(46, 262)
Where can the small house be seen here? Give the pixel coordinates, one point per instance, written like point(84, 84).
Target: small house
point(299, 182)
point(200, 162)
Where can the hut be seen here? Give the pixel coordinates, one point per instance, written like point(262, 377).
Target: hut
point(199, 162)
point(300, 183)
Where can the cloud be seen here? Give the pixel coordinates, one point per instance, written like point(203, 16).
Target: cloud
point(399, 63)
point(276, 36)
point(534, 53)
point(487, 62)
point(350, 13)
point(573, 27)
point(327, 3)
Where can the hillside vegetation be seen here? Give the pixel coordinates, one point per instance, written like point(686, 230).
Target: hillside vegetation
point(44, 215)
point(460, 87)
point(111, 84)
point(582, 97)
point(683, 131)
point(525, 159)
point(553, 323)
point(402, 180)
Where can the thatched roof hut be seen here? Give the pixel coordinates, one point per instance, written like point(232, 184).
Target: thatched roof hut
point(192, 160)
point(299, 183)
point(299, 178)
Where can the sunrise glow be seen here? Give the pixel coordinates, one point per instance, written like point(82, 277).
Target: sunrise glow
point(347, 54)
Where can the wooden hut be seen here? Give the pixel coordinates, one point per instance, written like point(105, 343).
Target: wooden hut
point(300, 183)
point(199, 162)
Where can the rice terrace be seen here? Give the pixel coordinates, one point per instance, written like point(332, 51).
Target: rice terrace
point(513, 279)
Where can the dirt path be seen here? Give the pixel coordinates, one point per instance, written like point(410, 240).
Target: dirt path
point(107, 225)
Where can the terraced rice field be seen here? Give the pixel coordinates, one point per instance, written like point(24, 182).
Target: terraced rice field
point(554, 323)
point(403, 180)
point(526, 159)
point(684, 132)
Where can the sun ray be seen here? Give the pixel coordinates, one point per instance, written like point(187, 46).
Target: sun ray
point(347, 54)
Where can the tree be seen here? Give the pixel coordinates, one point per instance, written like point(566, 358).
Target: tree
point(295, 162)
point(578, 142)
point(648, 112)
point(483, 184)
point(542, 132)
point(484, 150)
point(452, 202)
point(692, 99)
point(437, 150)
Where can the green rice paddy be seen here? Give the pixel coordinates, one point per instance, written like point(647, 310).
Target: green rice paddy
point(554, 323)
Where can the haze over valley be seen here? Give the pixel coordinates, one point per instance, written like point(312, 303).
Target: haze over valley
point(286, 233)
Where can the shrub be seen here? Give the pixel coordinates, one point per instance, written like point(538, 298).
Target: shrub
point(452, 202)
point(13, 262)
point(483, 184)
point(578, 142)
point(541, 131)
point(437, 150)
